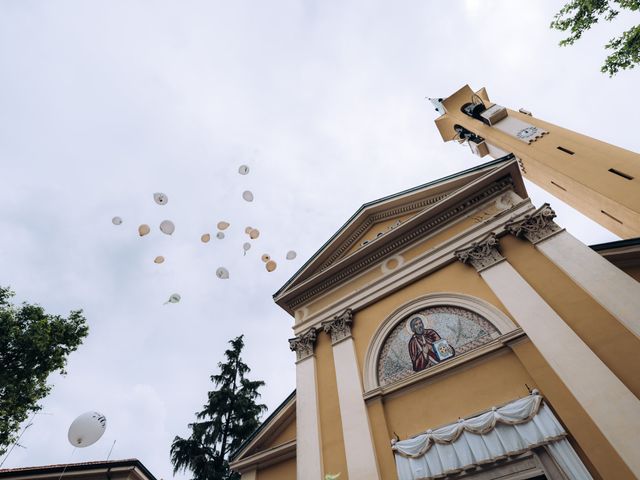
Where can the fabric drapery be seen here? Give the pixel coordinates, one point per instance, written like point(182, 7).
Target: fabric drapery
point(510, 430)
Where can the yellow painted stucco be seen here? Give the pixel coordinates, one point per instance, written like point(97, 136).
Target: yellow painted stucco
point(618, 348)
point(286, 435)
point(333, 454)
point(285, 470)
point(377, 228)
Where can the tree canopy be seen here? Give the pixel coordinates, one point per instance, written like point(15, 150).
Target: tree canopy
point(578, 16)
point(33, 344)
point(230, 415)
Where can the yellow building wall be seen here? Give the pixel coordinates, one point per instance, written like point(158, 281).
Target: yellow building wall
point(286, 435)
point(280, 471)
point(618, 348)
point(333, 453)
point(590, 444)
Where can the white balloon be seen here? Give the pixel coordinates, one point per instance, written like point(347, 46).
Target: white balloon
point(167, 227)
point(246, 246)
point(222, 273)
point(291, 255)
point(160, 198)
point(87, 429)
point(243, 170)
point(220, 235)
point(247, 195)
point(173, 298)
point(116, 221)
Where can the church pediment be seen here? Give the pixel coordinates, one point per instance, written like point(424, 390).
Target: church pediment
point(377, 224)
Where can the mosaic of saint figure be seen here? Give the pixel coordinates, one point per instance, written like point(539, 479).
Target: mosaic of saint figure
point(426, 347)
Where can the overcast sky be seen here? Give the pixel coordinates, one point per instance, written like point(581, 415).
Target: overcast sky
point(103, 103)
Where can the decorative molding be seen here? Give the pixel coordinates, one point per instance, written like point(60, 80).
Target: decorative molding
point(481, 255)
point(303, 344)
point(535, 227)
point(448, 215)
point(499, 320)
point(340, 326)
point(265, 458)
point(412, 270)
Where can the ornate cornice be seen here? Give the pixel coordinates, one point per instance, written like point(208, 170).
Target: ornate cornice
point(339, 327)
point(536, 226)
point(303, 344)
point(482, 254)
point(420, 230)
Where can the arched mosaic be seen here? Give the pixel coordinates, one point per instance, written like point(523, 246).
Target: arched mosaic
point(431, 336)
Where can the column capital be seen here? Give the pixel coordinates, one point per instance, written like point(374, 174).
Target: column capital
point(303, 344)
point(482, 254)
point(339, 327)
point(535, 226)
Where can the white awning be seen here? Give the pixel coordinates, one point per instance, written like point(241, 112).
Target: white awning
point(502, 432)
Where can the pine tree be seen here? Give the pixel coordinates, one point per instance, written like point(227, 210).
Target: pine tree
point(228, 418)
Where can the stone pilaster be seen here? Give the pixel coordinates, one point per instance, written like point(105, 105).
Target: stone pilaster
point(339, 327)
point(536, 226)
point(482, 254)
point(303, 344)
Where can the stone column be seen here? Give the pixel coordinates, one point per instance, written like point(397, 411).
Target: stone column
point(308, 443)
point(616, 291)
point(358, 441)
point(609, 403)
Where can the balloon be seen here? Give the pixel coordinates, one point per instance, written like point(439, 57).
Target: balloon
point(246, 246)
point(254, 233)
point(222, 273)
point(243, 170)
point(247, 195)
point(248, 230)
point(220, 235)
point(265, 257)
point(205, 238)
point(116, 221)
point(291, 255)
point(87, 429)
point(173, 298)
point(143, 230)
point(167, 227)
point(271, 266)
point(223, 225)
point(160, 198)
point(158, 259)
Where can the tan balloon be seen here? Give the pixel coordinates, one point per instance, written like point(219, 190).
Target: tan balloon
point(205, 237)
point(248, 230)
point(254, 233)
point(271, 266)
point(223, 225)
point(158, 259)
point(265, 257)
point(143, 229)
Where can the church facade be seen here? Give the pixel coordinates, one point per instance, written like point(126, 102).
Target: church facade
point(456, 330)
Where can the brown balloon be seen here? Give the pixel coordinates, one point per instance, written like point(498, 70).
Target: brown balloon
point(254, 233)
point(223, 225)
point(265, 257)
point(205, 237)
point(271, 266)
point(158, 259)
point(143, 230)
point(248, 230)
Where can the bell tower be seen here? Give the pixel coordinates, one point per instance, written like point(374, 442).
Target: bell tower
point(600, 180)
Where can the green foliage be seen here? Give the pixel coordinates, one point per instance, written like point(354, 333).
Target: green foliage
point(33, 344)
point(227, 419)
point(578, 16)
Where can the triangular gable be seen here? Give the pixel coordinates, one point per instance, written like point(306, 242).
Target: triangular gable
point(276, 430)
point(362, 230)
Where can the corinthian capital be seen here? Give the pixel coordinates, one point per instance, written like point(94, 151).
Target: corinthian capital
point(303, 344)
point(536, 226)
point(482, 254)
point(339, 327)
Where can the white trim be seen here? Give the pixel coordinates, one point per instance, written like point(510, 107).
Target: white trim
point(502, 322)
point(412, 270)
point(308, 443)
point(607, 401)
point(356, 431)
point(612, 288)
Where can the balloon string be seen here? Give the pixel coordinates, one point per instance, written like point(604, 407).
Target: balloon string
point(65, 467)
point(29, 423)
point(111, 450)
